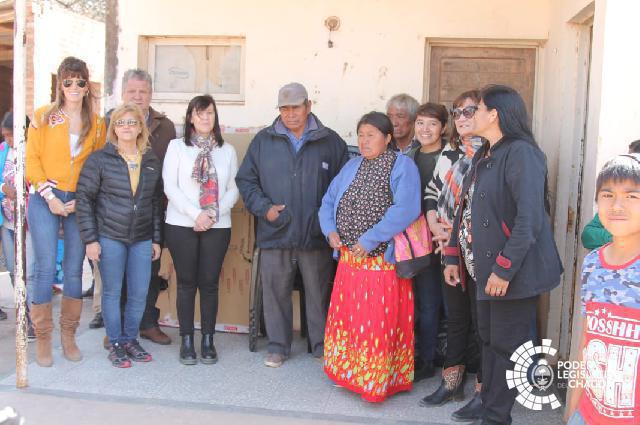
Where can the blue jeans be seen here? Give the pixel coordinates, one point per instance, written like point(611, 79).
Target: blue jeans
point(428, 300)
point(44, 227)
point(8, 248)
point(116, 258)
point(576, 419)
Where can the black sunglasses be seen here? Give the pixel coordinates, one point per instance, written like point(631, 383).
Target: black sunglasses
point(80, 82)
point(468, 112)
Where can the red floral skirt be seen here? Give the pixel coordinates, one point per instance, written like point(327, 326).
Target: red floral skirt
point(368, 341)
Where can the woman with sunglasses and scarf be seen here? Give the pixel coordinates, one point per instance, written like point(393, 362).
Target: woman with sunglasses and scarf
point(120, 221)
point(61, 137)
point(442, 198)
point(503, 238)
point(199, 180)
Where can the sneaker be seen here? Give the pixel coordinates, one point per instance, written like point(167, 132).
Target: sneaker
point(3, 315)
point(118, 356)
point(274, 359)
point(136, 352)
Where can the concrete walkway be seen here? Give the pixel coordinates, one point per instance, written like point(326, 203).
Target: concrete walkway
point(237, 390)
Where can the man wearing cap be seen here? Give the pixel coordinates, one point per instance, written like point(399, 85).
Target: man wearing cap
point(282, 179)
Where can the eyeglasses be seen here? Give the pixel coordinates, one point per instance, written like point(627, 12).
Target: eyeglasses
point(122, 123)
point(468, 112)
point(80, 82)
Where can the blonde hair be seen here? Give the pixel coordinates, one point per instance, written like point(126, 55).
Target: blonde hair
point(69, 68)
point(142, 141)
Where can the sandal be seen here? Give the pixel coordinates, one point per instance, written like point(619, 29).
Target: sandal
point(136, 352)
point(118, 356)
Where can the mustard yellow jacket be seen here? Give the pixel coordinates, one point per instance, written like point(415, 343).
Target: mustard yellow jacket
point(49, 153)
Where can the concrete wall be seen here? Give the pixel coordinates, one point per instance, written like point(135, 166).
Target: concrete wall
point(378, 50)
point(59, 33)
point(613, 118)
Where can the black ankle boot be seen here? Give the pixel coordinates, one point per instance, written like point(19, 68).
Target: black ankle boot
point(470, 411)
point(451, 388)
point(187, 351)
point(208, 350)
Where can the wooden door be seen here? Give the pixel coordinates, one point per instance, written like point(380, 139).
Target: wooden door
point(455, 69)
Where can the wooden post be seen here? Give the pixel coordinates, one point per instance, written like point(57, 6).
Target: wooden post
point(19, 109)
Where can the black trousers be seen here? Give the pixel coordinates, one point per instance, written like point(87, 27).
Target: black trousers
point(504, 325)
point(463, 339)
point(277, 272)
point(197, 258)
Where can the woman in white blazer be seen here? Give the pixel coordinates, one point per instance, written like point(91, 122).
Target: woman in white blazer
point(199, 180)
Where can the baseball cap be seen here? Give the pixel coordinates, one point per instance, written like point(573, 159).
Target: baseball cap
point(292, 94)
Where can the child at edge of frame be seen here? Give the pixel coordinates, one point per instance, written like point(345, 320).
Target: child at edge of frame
point(608, 391)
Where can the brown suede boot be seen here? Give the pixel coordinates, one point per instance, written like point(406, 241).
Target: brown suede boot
point(70, 310)
point(43, 325)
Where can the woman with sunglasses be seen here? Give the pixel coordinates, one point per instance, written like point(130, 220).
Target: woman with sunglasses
point(120, 221)
point(441, 203)
point(199, 180)
point(510, 253)
point(61, 137)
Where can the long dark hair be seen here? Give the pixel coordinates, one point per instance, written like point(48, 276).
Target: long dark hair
point(197, 104)
point(72, 67)
point(379, 121)
point(513, 121)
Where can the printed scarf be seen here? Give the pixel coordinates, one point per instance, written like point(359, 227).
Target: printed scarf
point(204, 172)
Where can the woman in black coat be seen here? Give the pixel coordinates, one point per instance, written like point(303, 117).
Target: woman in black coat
point(119, 217)
point(510, 253)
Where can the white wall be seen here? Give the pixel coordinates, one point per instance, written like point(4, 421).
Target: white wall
point(60, 33)
point(378, 50)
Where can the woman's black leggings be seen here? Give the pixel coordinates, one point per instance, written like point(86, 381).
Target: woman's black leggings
point(197, 258)
point(463, 340)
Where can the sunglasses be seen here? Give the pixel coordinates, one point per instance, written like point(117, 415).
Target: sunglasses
point(122, 123)
point(468, 112)
point(82, 83)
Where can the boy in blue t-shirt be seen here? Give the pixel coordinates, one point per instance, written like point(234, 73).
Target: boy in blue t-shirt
point(610, 345)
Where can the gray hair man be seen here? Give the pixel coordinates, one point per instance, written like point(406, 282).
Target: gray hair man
point(401, 110)
point(282, 179)
point(137, 87)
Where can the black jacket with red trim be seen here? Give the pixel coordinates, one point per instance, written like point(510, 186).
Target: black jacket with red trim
point(511, 230)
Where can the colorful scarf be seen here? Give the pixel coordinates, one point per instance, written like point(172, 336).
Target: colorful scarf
point(449, 199)
point(204, 172)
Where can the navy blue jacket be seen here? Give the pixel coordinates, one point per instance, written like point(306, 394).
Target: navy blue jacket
point(273, 173)
point(511, 230)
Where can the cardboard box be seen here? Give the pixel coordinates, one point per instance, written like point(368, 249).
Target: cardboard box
point(235, 278)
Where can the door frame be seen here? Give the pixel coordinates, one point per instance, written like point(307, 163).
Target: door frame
point(537, 44)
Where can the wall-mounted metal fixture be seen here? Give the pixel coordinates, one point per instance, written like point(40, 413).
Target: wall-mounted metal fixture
point(333, 24)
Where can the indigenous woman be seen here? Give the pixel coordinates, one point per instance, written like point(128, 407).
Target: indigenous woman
point(199, 180)
point(441, 203)
point(502, 235)
point(120, 221)
point(369, 333)
point(61, 138)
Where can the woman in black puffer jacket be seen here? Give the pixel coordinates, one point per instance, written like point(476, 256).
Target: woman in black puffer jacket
point(119, 217)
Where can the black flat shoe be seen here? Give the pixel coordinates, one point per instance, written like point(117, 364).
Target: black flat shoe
point(208, 350)
point(97, 322)
point(469, 412)
point(187, 351)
